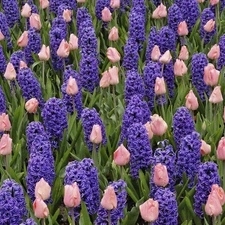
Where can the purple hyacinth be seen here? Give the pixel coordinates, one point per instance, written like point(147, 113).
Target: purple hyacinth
point(12, 203)
point(139, 148)
point(33, 46)
point(221, 60)
point(151, 71)
point(2, 61)
point(30, 86)
point(207, 15)
point(207, 176)
point(137, 111)
point(55, 120)
point(15, 59)
point(167, 39)
point(29, 221)
point(153, 39)
point(11, 10)
point(168, 209)
point(156, 2)
point(2, 101)
point(60, 23)
point(100, 5)
point(139, 5)
point(134, 85)
point(5, 30)
point(33, 129)
point(130, 60)
point(198, 63)
point(166, 156)
point(90, 117)
point(69, 100)
point(54, 5)
point(189, 157)
point(85, 174)
point(117, 213)
point(183, 124)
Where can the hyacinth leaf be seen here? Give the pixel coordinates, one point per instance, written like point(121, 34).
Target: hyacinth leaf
point(62, 161)
point(84, 216)
point(144, 181)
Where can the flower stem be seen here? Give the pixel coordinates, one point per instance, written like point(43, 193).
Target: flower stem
point(72, 216)
point(43, 73)
point(6, 163)
point(114, 99)
point(109, 219)
point(162, 69)
point(163, 111)
point(73, 99)
point(43, 221)
point(214, 220)
point(121, 172)
point(94, 155)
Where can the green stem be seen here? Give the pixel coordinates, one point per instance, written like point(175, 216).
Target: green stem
point(43, 221)
point(162, 69)
point(121, 172)
point(214, 220)
point(109, 219)
point(43, 72)
point(163, 111)
point(72, 216)
point(114, 99)
point(73, 99)
point(76, 60)
point(6, 163)
point(94, 155)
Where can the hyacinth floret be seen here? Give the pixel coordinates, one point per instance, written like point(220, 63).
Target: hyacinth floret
point(29, 221)
point(15, 59)
point(60, 23)
point(5, 30)
point(221, 59)
point(2, 61)
point(2, 101)
point(54, 5)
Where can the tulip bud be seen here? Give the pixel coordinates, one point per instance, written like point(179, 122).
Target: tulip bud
point(72, 87)
point(182, 29)
point(40, 209)
point(44, 54)
point(184, 55)
point(113, 55)
point(105, 80)
point(5, 124)
point(160, 176)
point(5, 145)
point(23, 64)
point(2, 37)
point(160, 86)
point(165, 58)
point(26, 11)
point(205, 148)
point(159, 12)
point(44, 4)
point(35, 21)
point(219, 192)
point(149, 130)
point(67, 15)
point(96, 134)
point(211, 75)
point(115, 4)
point(113, 73)
point(106, 15)
point(42, 190)
point(158, 125)
point(64, 49)
point(109, 199)
point(213, 206)
point(121, 156)
point(149, 210)
point(32, 105)
point(180, 68)
point(113, 34)
point(214, 2)
point(72, 196)
point(209, 26)
point(214, 52)
point(216, 96)
point(73, 42)
point(221, 149)
point(10, 72)
point(191, 101)
point(155, 53)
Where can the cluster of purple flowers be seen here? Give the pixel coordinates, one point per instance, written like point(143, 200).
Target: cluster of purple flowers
point(2, 61)
point(54, 5)
point(2, 102)
point(29, 221)
point(15, 59)
point(221, 59)
point(5, 30)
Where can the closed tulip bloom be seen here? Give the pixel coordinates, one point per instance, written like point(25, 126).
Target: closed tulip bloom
point(113, 73)
point(149, 210)
point(149, 130)
point(42, 190)
point(96, 134)
point(67, 15)
point(72, 87)
point(211, 75)
point(214, 52)
point(109, 199)
point(5, 124)
point(158, 125)
point(2, 37)
point(35, 21)
point(44, 4)
point(44, 54)
point(213, 206)
point(40, 209)
point(113, 55)
point(191, 101)
point(73, 42)
point(106, 15)
point(155, 54)
point(159, 12)
point(26, 11)
point(184, 55)
point(10, 72)
point(165, 58)
point(216, 96)
point(121, 156)
point(105, 80)
point(64, 49)
point(180, 68)
point(32, 105)
point(72, 196)
point(221, 149)
point(23, 40)
point(205, 148)
point(81, 1)
point(200, 1)
point(115, 4)
point(160, 177)
point(5, 145)
point(23, 64)
point(219, 192)
point(182, 29)
point(209, 26)
point(214, 2)
point(160, 86)
point(113, 34)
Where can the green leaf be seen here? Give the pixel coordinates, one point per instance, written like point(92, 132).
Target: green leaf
point(84, 216)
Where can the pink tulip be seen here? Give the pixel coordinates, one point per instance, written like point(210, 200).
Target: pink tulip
point(40, 208)
point(155, 54)
point(72, 196)
point(5, 124)
point(35, 21)
point(219, 192)
point(216, 96)
point(121, 156)
point(165, 58)
point(209, 26)
point(2, 37)
point(159, 12)
point(182, 29)
point(26, 11)
point(213, 206)
point(221, 149)
point(44, 54)
point(200, 1)
point(180, 68)
point(149, 210)
point(72, 87)
point(205, 148)
point(44, 4)
point(160, 86)
point(191, 101)
point(149, 130)
point(184, 55)
point(64, 49)
point(211, 75)
point(113, 55)
point(67, 15)
point(214, 52)
point(105, 80)
point(115, 4)
point(73, 42)
point(214, 2)
point(106, 15)
point(158, 125)
point(109, 199)
point(96, 134)
point(42, 190)
point(32, 105)
point(113, 73)
point(113, 34)
point(5, 145)
point(23, 64)
point(10, 72)
point(23, 40)
point(81, 1)
point(160, 177)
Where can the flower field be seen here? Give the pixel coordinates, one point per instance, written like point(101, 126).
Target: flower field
point(112, 112)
